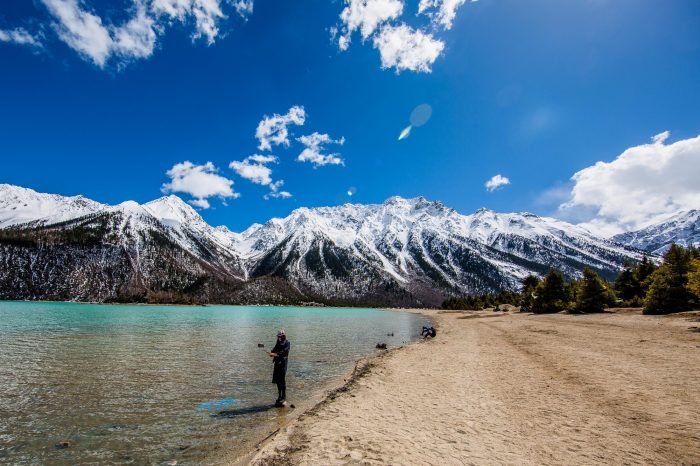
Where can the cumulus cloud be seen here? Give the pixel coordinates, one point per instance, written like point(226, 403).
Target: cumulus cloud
point(253, 169)
point(314, 147)
point(366, 16)
point(84, 32)
point(496, 182)
point(643, 185)
point(442, 12)
point(404, 48)
point(275, 192)
point(20, 36)
point(273, 130)
point(199, 181)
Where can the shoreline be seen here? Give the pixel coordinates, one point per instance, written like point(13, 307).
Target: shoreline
point(362, 369)
point(513, 388)
point(327, 394)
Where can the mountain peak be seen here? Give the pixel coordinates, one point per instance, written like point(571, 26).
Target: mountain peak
point(173, 211)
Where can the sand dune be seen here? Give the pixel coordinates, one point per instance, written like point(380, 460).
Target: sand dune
point(615, 388)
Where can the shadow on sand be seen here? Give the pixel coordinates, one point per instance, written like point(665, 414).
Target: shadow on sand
point(243, 411)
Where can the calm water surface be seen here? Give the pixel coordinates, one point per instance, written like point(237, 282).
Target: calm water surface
point(159, 384)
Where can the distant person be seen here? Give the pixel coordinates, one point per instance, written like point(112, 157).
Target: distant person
point(279, 355)
point(428, 331)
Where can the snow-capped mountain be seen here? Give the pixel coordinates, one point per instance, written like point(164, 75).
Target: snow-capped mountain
point(21, 205)
point(682, 228)
point(404, 251)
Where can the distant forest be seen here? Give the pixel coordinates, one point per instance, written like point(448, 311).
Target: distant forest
point(672, 286)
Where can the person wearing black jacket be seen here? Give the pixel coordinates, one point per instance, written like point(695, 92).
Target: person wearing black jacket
point(280, 354)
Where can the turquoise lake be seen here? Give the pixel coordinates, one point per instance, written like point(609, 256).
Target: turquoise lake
point(124, 384)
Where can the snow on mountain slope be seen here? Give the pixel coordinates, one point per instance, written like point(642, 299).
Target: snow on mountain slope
point(22, 205)
point(193, 233)
point(403, 251)
point(423, 246)
point(682, 228)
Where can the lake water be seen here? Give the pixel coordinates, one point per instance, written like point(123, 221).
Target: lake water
point(165, 384)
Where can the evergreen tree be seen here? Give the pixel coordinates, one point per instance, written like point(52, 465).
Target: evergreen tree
point(592, 293)
point(643, 274)
point(530, 284)
point(551, 295)
point(627, 285)
point(668, 292)
point(694, 278)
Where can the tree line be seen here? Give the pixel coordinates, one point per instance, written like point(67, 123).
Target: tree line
point(671, 286)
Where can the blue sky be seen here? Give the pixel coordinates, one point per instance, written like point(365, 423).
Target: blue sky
point(105, 98)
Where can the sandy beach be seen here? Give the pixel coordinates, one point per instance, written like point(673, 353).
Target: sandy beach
point(494, 388)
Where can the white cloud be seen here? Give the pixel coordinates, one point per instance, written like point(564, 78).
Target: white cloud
point(199, 181)
point(496, 182)
point(244, 7)
point(206, 14)
point(442, 12)
point(314, 146)
point(201, 203)
point(641, 186)
point(84, 32)
point(404, 48)
point(137, 38)
point(366, 16)
point(20, 36)
point(100, 41)
point(81, 30)
point(256, 171)
point(273, 130)
point(262, 158)
point(276, 193)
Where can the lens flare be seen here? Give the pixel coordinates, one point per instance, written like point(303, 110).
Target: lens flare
point(405, 133)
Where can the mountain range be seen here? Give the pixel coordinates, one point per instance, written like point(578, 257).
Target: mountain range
point(403, 252)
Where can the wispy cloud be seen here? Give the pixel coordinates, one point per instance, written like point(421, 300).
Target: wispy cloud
point(206, 14)
point(273, 130)
point(199, 181)
point(85, 32)
point(275, 191)
point(442, 12)
point(313, 152)
point(103, 42)
point(496, 182)
point(20, 36)
point(642, 185)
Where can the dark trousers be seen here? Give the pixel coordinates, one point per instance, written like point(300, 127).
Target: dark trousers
point(282, 389)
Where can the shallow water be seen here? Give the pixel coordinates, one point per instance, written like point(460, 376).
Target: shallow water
point(158, 384)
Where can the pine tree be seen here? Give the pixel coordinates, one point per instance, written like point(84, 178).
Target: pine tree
point(627, 285)
point(530, 284)
point(694, 278)
point(668, 292)
point(643, 274)
point(551, 295)
point(592, 293)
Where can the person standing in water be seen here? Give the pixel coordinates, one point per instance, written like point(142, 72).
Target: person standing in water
point(279, 355)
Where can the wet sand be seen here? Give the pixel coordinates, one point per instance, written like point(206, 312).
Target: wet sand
point(492, 388)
